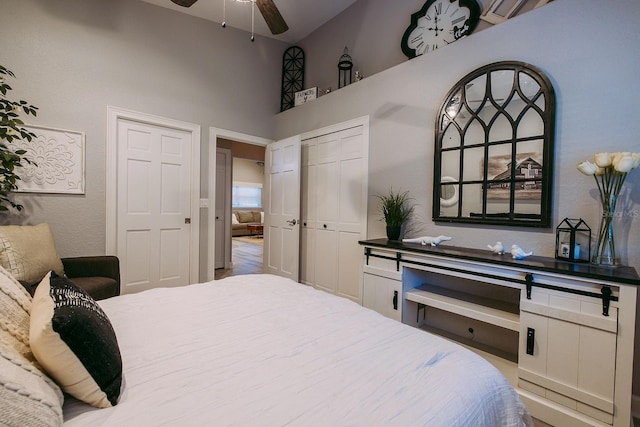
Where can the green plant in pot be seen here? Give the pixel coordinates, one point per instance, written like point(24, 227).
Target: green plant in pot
point(11, 129)
point(396, 210)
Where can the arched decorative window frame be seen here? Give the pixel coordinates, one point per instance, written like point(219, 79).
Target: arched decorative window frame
point(517, 187)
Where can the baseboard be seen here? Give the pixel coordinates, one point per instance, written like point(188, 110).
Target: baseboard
point(635, 406)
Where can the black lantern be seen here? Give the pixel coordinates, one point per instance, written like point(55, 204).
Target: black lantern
point(345, 64)
point(573, 240)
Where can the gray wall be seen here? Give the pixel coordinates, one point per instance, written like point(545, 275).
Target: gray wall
point(73, 58)
point(372, 31)
point(592, 64)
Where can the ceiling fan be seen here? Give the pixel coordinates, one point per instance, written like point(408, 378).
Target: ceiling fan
point(267, 8)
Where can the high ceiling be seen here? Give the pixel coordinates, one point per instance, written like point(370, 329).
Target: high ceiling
point(302, 16)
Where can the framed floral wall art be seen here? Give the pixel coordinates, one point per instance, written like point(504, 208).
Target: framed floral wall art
point(59, 164)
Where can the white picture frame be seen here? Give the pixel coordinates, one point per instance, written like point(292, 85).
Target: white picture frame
point(59, 157)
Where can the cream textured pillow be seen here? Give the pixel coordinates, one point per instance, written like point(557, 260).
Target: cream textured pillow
point(27, 396)
point(28, 252)
point(15, 308)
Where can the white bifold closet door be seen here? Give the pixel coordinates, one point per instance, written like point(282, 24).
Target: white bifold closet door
point(333, 197)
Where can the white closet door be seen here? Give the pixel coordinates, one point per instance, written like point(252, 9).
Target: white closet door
point(308, 211)
point(334, 210)
point(353, 207)
point(328, 209)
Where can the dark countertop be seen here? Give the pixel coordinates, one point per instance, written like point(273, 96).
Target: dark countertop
point(620, 274)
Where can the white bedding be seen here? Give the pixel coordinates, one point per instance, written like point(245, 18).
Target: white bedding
point(259, 350)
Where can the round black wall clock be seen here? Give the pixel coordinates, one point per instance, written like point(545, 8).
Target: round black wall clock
point(439, 23)
point(292, 76)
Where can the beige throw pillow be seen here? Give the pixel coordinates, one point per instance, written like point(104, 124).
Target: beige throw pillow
point(245, 217)
point(28, 252)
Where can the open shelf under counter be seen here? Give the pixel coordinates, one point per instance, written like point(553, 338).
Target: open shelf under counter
point(492, 311)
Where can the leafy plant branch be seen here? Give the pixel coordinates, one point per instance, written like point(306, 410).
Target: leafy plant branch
point(11, 129)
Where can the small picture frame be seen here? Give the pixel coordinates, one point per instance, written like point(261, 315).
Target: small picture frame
point(305, 95)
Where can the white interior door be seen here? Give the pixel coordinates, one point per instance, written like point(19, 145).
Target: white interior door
point(223, 208)
point(153, 205)
point(282, 213)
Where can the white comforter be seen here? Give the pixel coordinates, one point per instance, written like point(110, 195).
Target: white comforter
point(259, 350)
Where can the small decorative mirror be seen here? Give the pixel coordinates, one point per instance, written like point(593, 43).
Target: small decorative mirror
point(494, 148)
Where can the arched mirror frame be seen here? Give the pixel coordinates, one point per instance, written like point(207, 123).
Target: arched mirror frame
point(490, 128)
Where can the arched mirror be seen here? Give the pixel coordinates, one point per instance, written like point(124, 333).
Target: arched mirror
point(494, 148)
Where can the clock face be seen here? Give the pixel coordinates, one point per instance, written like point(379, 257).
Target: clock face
point(439, 23)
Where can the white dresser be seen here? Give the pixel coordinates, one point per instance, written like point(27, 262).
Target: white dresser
point(561, 332)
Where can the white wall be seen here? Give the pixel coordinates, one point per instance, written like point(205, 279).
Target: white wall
point(73, 58)
point(247, 171)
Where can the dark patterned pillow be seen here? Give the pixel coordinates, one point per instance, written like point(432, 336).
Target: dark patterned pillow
point(74, 341)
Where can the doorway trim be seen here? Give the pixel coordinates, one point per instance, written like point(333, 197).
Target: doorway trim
point(214, 134)
point(114, 115)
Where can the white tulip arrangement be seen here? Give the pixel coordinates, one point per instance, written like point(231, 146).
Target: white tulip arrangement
point(610, 171)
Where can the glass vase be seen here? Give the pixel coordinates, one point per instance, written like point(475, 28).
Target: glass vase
point(605, 250)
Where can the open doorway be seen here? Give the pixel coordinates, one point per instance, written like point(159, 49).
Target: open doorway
point(238, 222)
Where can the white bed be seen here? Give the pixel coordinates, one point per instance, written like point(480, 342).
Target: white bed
point(259, 350)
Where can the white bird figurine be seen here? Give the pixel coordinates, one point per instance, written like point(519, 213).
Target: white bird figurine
point(428, 240)
point(518, 253)
point(498, 248)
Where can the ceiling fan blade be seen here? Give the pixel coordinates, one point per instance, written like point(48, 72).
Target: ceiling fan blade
point(184, 3)
point(272, 16)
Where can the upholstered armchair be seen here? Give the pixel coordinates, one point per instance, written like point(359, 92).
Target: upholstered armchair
point(99, 276)
point(28, 252)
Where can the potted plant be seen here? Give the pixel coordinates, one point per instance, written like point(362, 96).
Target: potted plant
point(11, 130)
point(396, 210)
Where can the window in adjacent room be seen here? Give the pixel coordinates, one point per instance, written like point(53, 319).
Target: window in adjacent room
point(246, 195)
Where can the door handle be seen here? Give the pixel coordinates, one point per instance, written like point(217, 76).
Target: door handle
point(292, 222)
point(531, 337)
point(395, 300)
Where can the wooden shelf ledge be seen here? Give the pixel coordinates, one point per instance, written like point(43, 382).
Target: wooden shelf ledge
point(494, 312)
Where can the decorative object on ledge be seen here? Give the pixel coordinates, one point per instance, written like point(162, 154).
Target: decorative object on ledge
point(306, 95)
point(609, 170)
point(573, 240)
point(493, 151)
point(292, 76)
point(518, 253)
point(59, 155)
point(428, 240)
point(397, 209)
point(439, 23)
point(497, 249)
point(345, 64)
